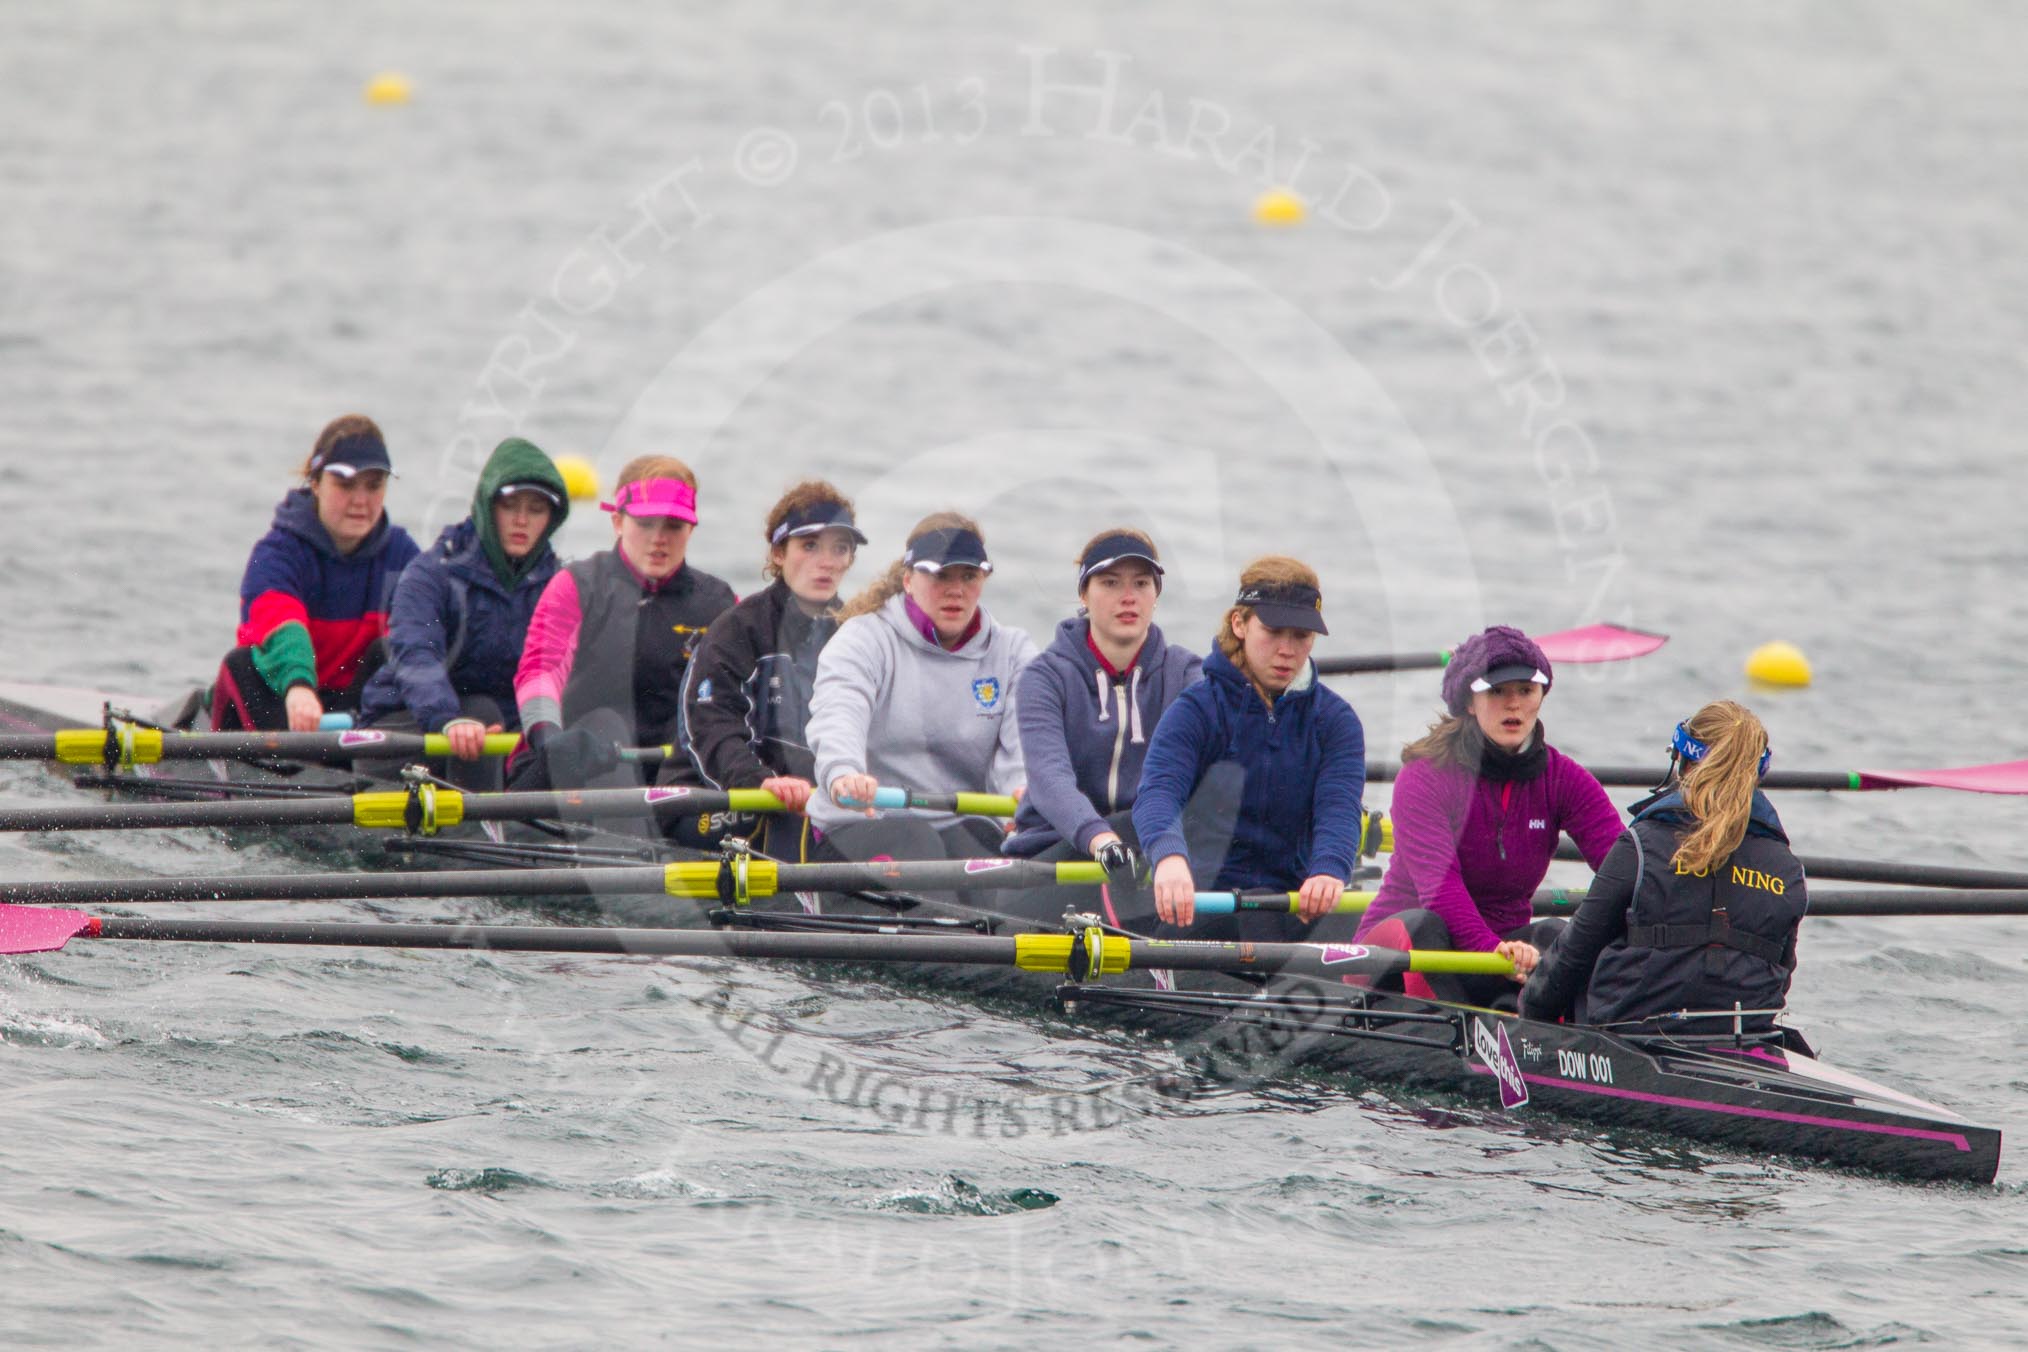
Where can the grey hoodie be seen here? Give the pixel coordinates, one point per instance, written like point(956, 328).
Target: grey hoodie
point(892, 704)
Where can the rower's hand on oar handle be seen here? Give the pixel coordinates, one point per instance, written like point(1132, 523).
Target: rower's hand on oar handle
point(1318, 896)
point(467, 737)
point(305, 710)
point(855, 791)
point(1522, 954)
point(1175, 891)
point(794, 793)
point(1124, 866)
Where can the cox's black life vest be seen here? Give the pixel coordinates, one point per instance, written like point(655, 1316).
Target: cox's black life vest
point(1719, 941)
point(634, 641)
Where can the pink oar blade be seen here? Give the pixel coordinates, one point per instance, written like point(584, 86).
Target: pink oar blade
point(1599, 643)
point(2001, 777)
point(39, 929)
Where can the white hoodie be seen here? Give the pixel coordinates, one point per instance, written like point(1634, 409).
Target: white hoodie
point(892, 704)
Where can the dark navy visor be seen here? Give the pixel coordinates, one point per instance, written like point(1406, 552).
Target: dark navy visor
point(1285, 605)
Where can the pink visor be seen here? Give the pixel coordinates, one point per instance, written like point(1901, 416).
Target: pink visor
point(655, 497)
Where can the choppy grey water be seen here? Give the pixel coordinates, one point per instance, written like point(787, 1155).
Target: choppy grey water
point(1706, 320)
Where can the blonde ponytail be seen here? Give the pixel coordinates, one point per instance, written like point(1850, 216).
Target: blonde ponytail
point(1718, 790)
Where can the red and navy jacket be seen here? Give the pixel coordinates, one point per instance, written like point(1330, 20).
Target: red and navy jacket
point(296, 575)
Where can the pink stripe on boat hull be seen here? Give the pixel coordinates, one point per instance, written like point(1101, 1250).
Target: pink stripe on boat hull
point(1741, 1110)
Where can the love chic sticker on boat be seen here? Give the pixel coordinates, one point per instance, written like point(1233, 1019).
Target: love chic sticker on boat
point(1493, 1048)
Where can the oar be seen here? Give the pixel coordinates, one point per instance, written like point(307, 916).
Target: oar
point(1820, 869)
point(731, 880)
point(1092, 953)
point(1278, 903)
point(428, 809)
point(1999, 777)
point(1592, 643)
point(125, 744)
point(1857, 902)
point(966, 804)
point(1943, 899)
point(716, 880)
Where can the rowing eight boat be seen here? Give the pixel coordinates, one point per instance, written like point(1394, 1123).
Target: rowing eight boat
point(1766, 1094)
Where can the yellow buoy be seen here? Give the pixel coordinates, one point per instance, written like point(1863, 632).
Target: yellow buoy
point(1279, 206)
point(580, 479)
point(1778, 664)
point(388, 87)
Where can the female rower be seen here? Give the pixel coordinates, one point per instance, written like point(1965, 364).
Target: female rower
point(914, 693)
point(1270, 764)
point(746, 692)
point(612, 634)
point(313, 600)
point(1697, 906)
point(461, 611)
point(1086, 707)
point(1478, 809)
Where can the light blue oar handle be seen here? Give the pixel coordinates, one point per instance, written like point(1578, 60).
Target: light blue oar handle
point(338, 722)
point(882, 797)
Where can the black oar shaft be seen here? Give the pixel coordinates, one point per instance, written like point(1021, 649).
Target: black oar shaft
point(1054, 953)
point(1918, 875)
point(72, 746)
point(125, 816)
point(1942, 901)
point(1820, 869)
point(729, 943)
point(1839, 902)
point(147, 746)
point(338, 810)
point(545, 882)
point(1372, 662)
point(935, 875)
point(1648, 776)
point(954, 875)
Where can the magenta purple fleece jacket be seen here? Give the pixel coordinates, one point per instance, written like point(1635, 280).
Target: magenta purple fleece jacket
point(1474, 850)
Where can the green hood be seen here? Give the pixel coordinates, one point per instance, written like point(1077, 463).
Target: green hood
point(515, 461)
